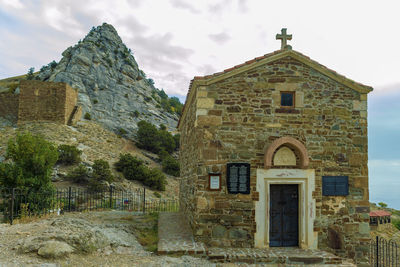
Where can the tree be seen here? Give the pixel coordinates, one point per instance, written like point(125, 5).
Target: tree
point(30, 75)
point(32, 159)
point(148, 138)
point(382, 204)
point(101, 173)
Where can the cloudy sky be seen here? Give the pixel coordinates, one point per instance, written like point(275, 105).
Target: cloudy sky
point(174, 40)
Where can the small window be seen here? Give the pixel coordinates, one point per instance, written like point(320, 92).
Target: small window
point(287, 99)
point(335, 185)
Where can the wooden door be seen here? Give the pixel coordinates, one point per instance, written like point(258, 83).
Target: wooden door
point(284, 216)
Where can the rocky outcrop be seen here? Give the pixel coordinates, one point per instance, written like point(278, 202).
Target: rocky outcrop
point(112, 88)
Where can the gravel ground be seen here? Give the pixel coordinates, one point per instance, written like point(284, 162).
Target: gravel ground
point(109, 222)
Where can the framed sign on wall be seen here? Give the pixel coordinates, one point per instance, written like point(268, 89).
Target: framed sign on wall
point(214, 181)
point(238, 178)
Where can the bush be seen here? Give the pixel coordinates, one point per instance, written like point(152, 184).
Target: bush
point(134, 169)
point(30, 75)
point(147, 135)
point(122, 131)
point(32, 161)
point(69, 154)
point(79, 175)
point(170, 165)
point(154, 140)
point(396, 223)
point(101, 174)
point(87, 116)
point(382, 204)
point(95, 101)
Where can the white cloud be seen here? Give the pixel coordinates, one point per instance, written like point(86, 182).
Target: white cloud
point(12, 3)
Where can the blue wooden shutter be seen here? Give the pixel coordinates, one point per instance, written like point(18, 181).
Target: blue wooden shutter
point(335, 185)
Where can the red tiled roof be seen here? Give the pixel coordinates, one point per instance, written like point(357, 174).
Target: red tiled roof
point(379, 213)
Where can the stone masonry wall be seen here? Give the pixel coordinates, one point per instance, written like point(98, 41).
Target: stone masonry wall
point(9, 106)
point(189, 157)
point(239, 117)
point(45, 101)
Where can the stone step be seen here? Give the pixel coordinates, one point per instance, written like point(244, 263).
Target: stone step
point(276, 256)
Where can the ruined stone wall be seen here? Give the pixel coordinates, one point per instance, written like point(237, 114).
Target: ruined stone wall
point(71, 98)
point(9, 106)
point(45, 101)
point(238, 118)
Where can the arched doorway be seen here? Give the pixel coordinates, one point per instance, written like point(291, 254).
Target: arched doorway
point(285, 211)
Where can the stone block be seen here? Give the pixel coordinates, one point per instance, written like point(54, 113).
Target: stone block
point(205, 103)
point(237, 233)
point(362, 209)
point(363, 228)
point(357, 159)
point(202, 203)
point(201, 94)
point(201, 112)
point(209, 154)
point(351, 227)
point(219, 231)
point(299, 99)
point(215, 112)
point(205, 120)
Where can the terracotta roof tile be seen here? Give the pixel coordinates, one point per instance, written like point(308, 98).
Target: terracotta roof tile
point(379, 213)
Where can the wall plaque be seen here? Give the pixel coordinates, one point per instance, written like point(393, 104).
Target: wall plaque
point(238, 178)
point(214, 181)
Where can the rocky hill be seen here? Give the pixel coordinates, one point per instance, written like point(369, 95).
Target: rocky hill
point(112, 88)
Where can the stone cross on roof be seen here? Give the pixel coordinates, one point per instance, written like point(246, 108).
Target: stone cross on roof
point(284, 37)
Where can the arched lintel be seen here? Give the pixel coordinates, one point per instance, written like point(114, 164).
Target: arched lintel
point(290, 142)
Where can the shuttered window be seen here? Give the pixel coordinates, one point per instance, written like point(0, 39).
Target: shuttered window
point(335, 185)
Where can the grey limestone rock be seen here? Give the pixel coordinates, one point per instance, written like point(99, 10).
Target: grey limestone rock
point(112, 88)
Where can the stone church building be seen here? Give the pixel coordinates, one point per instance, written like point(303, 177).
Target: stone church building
point(274, 153)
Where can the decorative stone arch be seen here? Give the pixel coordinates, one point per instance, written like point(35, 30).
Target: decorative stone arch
point(291, 143)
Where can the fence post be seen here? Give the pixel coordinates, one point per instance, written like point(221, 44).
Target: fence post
point(377, 251)
point(111, 191)
point(144, 199)
point(12, 206)
point(69, 199)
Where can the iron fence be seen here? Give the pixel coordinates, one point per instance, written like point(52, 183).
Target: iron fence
point(17, 203)
point(384, 253)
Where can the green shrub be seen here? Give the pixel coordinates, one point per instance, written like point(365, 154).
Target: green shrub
point(95, 101)
point(156, 194)
point(147, 135)
point(79, 174)
point(87, 116)
point(122, 131)
point(382, 204)
point(101, 174)
point(396, 223)
point(127, 161)
point(136, 114)
point(68, 154)
point(31, 161)
point(30, 74)
point(154, 140)
point(171, 166)
point(134, 169)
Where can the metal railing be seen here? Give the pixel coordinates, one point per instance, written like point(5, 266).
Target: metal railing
point(384, 253)
point(17, 203)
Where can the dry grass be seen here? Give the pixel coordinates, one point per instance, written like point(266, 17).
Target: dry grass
point(148, 237)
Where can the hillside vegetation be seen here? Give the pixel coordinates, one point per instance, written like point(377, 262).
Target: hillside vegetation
point(96, 143)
